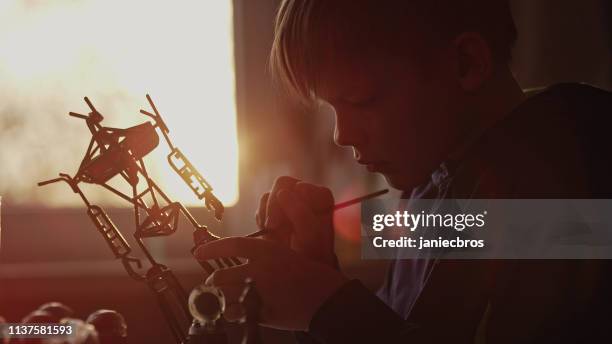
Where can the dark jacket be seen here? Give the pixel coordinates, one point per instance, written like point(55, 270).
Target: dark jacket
point(554, 145)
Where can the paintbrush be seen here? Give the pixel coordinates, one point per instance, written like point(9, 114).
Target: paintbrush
point(336, 206)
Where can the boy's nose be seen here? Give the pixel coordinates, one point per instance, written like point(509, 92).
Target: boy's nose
point(347, 132)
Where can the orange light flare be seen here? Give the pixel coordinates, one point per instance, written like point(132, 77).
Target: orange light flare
point(53, 53)
point(347, 221)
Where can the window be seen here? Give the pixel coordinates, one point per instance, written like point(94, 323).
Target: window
point(53, 53)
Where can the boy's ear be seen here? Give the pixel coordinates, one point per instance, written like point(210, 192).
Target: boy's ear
point(474, 60)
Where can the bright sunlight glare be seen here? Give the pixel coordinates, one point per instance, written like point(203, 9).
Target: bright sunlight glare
point(53, 53)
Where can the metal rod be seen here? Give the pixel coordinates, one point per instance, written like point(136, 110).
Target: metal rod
point(348, 203)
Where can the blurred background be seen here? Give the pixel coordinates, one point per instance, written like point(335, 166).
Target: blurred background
point(205, 65)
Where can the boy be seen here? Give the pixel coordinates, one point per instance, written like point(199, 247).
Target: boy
point(423, 94)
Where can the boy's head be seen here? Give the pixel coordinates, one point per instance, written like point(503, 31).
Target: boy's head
point(402, 76)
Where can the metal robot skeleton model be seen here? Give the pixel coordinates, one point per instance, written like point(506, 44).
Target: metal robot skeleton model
point(195, 318)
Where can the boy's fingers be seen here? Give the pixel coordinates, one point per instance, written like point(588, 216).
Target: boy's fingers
point(319, 198)
point(274, 215)
point(234, 276)
point(260, 215)
point(301, 217)
point(250, 248)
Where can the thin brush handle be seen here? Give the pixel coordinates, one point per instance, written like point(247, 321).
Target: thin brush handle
point(337, 206)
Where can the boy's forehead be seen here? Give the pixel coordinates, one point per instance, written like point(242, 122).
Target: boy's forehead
point(346, 74)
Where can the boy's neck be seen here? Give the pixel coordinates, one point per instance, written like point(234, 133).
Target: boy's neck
point(498, 98)
point(505, 94)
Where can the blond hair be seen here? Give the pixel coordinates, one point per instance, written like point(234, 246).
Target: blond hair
point(309, 33)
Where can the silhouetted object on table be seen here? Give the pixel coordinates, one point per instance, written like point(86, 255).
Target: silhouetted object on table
point(251, 301)
point(4, 339)
point(38, 317)
point(57, 310)
point(83, 333)
point(120, 152)
point(207, 305)
point(110, 325)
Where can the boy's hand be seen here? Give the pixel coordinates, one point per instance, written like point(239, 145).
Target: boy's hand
point(300, 215)
point(291, 286)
